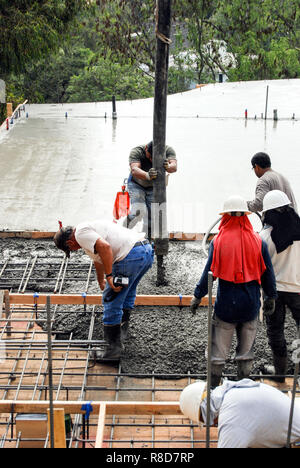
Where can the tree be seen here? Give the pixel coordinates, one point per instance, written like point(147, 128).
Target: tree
point(105, 78)
point(264, 37)
point(31, 29)
point(126, 28)
point(247, 39)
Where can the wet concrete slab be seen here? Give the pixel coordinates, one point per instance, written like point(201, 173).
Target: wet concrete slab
point(55, 168)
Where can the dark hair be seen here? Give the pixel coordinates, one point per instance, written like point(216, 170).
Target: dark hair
point(150, 147)
point(262, 160)
point(61, 237)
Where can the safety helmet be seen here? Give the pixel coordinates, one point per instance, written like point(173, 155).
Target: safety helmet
point(190, 400)
point(275, 199)
point(235, 203)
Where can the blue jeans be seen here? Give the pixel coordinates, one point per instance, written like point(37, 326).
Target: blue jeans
point(134, 266)
point(140, 199)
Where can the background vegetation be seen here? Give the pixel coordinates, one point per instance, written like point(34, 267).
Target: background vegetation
point(79, 50)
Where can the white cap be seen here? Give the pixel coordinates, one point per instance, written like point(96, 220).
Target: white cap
point(235, 204)
point(275, 199)
point(190, 400)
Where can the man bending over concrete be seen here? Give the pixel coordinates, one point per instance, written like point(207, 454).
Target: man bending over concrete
point(248, 414)
point(117, 252)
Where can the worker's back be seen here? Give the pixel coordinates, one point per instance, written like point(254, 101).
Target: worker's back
point(256, 417)
point(276, 181)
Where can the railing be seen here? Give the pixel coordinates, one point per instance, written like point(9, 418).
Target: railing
point(15, 115)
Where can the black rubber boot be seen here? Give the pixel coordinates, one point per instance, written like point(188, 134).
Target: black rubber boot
point(125, 324)
point(279, 368)
point(216, 375)
point(244, 369)
point(113, 350)
point(281, 365)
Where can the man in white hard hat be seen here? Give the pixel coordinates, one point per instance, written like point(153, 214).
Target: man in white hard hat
point(268, 180)
point(240, 260)
point(282, 234)
point(248, 414)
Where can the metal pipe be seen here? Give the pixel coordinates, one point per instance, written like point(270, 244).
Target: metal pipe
point(267, 100)
point(209, 346)
point(296, 376)
point(50, 372)
point(159, 218)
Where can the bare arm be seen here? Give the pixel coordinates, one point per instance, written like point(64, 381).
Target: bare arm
point(137, 172)
point(103, 249)
point(100, 275)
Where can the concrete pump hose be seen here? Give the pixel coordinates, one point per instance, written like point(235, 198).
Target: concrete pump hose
point(209, 231)
point(207, 236)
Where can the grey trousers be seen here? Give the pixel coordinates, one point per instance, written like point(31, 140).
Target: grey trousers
point(222, 336)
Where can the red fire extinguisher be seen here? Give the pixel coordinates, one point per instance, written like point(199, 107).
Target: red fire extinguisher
point(122, 203)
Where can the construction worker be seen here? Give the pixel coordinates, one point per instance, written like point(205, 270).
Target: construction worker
point(241, 261)
point(248, 414)
point(117, 252)
point(282, 234)
point(140, 182)
point(268, 180)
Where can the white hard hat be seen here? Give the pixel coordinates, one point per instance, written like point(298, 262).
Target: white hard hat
point(235, 204)
point(275, 199)
point(190, 400)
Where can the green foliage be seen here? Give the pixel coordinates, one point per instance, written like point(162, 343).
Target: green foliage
point(264, 37)
point(47, 81)
point(106, 78)
point(31, 29)
point(48, 54)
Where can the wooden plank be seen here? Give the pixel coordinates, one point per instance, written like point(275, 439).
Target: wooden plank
point(186, 236)
point(101, 426)
point(26, 235)
point(178, 236)
point(60, 441)
point(75, 407)
point(77, 299)
point(1, 303)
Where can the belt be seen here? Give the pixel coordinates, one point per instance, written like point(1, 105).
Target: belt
point(144, 242)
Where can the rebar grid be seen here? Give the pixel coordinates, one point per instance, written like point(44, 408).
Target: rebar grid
point(76, 375)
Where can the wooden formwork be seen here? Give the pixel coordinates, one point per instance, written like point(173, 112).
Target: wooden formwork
point(128, 410)
point(77, 299)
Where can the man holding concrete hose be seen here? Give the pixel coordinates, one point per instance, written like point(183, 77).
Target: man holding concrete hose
point(282, 234)
point(140, 182)
point(248, 414)
point(240, 260)
point(121, 257)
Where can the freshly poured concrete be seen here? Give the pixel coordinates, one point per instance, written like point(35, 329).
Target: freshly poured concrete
point(164, 340)
point(56, 168)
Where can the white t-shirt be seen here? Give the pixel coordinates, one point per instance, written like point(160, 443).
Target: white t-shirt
point(286, 264)
point(121, 239)
point(257, 417)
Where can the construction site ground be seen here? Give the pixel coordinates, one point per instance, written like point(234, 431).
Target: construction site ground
point(164, 353)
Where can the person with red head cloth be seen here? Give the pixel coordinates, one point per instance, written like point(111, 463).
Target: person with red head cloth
point(239, 258)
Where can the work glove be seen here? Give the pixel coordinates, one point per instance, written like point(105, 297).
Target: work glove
point(269, 307)
point(194, 304)
point(166, 164)
point(152, 174)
